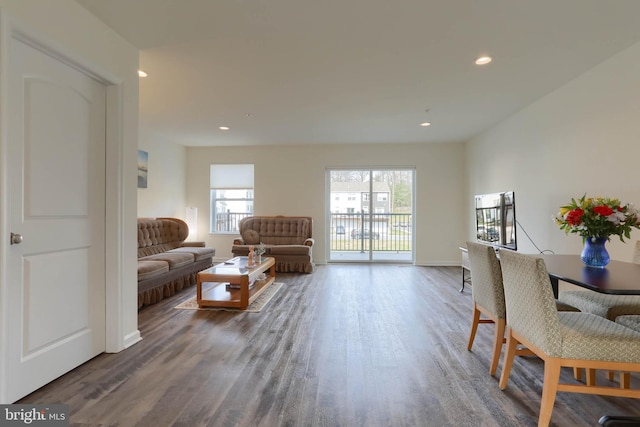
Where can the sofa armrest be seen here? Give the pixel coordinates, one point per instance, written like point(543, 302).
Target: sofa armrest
point(193, 244)
point(238, 241)
point(309, 242)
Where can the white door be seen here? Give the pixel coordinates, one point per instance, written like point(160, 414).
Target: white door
point(56, 180)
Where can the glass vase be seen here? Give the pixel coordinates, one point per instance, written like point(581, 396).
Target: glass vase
point(594, 253)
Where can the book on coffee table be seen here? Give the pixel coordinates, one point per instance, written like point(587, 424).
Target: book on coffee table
point(235, 286)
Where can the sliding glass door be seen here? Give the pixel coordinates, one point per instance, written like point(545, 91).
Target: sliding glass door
point(370, 214)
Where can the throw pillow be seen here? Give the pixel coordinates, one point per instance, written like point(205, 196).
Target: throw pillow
point(251, 237)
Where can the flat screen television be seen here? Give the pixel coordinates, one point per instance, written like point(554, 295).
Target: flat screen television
point(496, 219)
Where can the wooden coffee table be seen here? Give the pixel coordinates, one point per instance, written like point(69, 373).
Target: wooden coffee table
point(233, 283)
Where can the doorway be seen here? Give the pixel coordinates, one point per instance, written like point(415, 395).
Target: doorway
point(370, 215)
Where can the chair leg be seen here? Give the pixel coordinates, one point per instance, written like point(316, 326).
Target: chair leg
point(474, 326)
point(610, 375)
point(509, 355)
point(498, 340)
point(549, 391)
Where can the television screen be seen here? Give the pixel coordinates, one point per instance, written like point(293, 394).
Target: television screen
point(496, 219)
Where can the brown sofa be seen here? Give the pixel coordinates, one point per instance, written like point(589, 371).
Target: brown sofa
point(287, 239)
point(166, 263)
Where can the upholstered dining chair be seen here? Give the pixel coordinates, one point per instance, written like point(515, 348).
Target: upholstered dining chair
point(604, 305)
point(560, 339)
point(630, 321)
point(607, 306)
point(633, 322)
point(488, 298)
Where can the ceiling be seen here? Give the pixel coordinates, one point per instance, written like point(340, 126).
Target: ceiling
point(355, 71)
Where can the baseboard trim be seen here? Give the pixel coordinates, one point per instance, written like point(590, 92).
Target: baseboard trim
point(132, 339)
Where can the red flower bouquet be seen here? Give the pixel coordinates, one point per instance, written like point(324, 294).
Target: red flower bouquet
point(598, 217)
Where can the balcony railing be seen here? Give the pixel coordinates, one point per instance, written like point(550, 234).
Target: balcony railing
point(227, 222)
point(377, 232)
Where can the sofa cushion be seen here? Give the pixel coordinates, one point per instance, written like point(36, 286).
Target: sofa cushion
point(289, 250)
point(175, 259)
point(241, 250)
point(198, 253)
point(150, 269)
point(251, 237)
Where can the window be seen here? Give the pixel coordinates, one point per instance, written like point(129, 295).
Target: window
point(382, 197)
point(231, 196)
point(365, 197)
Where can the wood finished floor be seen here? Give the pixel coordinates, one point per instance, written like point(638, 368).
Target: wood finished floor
point(349, 345)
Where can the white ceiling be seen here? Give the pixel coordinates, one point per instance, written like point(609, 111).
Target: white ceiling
point(356, 71)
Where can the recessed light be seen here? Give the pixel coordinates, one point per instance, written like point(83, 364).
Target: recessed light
point(425, 124)
point(483, 60)
point(142, 73)
point(224, 128)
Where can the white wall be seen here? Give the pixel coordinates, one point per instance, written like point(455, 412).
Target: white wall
point(166, 183)
point(290, 180)
point(581, 138)
point(71, 27)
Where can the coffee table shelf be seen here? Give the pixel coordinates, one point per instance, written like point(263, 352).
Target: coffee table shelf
point(212, 289)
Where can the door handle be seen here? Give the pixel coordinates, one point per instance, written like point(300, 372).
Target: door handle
point(16, 238)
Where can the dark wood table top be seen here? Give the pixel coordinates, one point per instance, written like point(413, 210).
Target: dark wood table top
point(622, 278)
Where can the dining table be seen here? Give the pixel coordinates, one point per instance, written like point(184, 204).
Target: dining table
point(617, 278)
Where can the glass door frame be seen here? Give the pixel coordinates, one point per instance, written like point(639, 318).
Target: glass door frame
point(387, 238)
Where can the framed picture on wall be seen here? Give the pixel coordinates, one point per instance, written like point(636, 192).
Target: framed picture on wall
point(143, 168)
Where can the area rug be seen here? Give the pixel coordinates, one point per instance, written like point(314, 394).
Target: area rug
point(254, 307)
